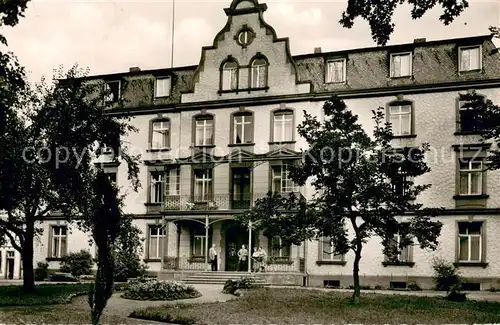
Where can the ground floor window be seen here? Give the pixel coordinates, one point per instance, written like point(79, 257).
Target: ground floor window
point(156, 237)
point(277, 249)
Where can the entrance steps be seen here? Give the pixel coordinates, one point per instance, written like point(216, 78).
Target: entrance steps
point(221, 277)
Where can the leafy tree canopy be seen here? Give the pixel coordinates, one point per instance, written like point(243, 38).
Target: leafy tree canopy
point(379, 13)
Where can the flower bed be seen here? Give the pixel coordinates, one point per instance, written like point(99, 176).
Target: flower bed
point(152, 289)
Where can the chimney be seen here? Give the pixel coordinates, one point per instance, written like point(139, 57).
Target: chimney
point(419, 40)
point(134, 69)
point(317, 50)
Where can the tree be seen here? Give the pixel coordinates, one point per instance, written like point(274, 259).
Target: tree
point(379, 14)
point(103, 219)
point(73, 117)
point(50, 145)
point(486, 121)
point(363, 186)
point(126, 251)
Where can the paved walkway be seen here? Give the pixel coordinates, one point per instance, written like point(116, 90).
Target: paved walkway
point(123, 307)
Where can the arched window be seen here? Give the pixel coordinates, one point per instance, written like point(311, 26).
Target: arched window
point(160, 134)
point(242, 128)
point(258, 73)
point(282, 126)
point(229, 75)
point(204, 130)
point(400, 115)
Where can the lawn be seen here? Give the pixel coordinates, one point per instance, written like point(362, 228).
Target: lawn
point(296, 306)
point(45, 294)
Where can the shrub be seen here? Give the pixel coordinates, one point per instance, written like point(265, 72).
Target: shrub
point(41, 271)
point(161, 315)
point(152, 289)
point(62, 277)
point(230, 287)
point(378, 287)
point(128, 265)
point(126, 252)
point(413, 286)
point(448, 279)
point(77, 264)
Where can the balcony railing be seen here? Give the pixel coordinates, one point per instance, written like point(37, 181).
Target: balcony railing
point(228, 201)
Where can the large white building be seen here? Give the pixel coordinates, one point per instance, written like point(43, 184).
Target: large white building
point(217, 136)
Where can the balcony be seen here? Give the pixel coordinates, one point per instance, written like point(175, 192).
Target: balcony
point(228, 201)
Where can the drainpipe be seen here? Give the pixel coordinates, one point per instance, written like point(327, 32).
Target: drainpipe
point(249, 247)
point(206, 242)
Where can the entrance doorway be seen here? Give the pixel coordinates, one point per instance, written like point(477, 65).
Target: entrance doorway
point(236, 236)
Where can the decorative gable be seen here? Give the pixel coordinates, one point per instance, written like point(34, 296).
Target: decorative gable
point(247, 59)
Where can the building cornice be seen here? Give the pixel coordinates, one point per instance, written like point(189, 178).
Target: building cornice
point(345, 94)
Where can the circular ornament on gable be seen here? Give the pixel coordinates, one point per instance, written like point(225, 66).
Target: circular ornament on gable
point(245, 37)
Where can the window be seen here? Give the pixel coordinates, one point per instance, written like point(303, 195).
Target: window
point(112, 91)
point(157, 187)
point(163, 86)
point(400, 115)
point(202, 185)
point(403, 254)
point(112, 177)
point(470, 243)
point(276, 248)
point(204, 131)
point(281, 182)
point(105, 149)
point(229, 76)
point(242, 128)
point(468, 117)
point(160, 134)
point(335, 71)
point(471, 176)
point(173, 181)
point(258, 73)
point(59, 241)
point(327, 250)
point(401, 65)
point(245, 37)
point(470, 58)
point(400, 182)
point(199, 245)
point(283, 126)
point(156, 238)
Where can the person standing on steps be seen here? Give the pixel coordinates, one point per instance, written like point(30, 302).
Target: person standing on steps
point(212, 254)
point(242, 259)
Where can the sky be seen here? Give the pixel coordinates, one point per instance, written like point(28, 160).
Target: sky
point(112, 36)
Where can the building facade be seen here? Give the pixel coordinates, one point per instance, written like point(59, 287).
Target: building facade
point(217, 136)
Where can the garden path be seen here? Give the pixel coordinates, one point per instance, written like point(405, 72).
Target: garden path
point(123, 307)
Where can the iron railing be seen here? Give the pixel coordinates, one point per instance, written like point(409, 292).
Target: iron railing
point(227, 201)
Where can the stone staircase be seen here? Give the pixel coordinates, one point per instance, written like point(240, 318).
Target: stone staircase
point(221, 278)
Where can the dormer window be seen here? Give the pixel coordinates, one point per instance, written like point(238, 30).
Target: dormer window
point(401, 65)
point(258, 73)
point(335, 71)
point(163, 86)
point(229, 75)
point(470, 58)
point(112, 91)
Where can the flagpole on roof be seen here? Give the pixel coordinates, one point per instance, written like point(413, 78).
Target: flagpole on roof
point(173, 30)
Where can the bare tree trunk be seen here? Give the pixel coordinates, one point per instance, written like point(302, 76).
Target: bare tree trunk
point(27, 258)
point(357, 257)
point(103, 285)
point(355, 274)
